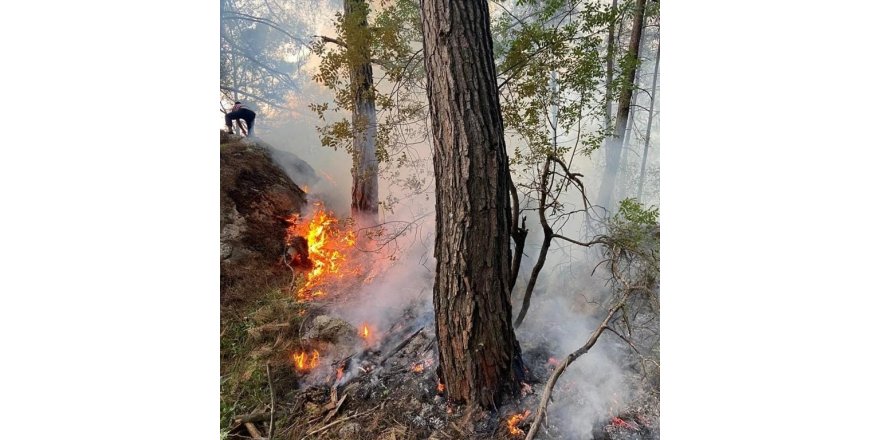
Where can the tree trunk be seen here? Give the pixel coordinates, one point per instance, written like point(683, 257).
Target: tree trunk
point(609, 69)
point(364, 169)
point(614, 144)
point(479, 353)
point(619, 189)
point(648, 130)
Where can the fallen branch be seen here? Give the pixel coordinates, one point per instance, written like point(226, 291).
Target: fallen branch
point(548, 390)
point(335, 410)
point(251, 418)
point(252, 430)
point(400, 346)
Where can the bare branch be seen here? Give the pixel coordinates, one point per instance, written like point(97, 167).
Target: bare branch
point(327, 39)
point(255, 97)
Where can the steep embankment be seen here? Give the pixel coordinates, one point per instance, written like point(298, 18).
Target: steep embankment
point(256, 196)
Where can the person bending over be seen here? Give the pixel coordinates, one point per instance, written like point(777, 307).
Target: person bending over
point(239, 112)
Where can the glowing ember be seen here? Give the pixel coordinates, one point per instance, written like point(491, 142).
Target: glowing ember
point(441, 387)
point(329, 246)
point(514, 420)
point(339, 374)
point(419, 367)
point(617, 421)
point(365, 332)
point(303, 362)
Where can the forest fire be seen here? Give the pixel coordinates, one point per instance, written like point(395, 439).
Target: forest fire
point(303, 362)
point(515, 420)
point(365, 332)
point(329, 245)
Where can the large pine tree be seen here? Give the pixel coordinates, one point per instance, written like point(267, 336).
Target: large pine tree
point(479, 354)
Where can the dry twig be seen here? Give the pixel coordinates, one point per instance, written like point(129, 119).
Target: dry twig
point(272, 395)
point(355, 415)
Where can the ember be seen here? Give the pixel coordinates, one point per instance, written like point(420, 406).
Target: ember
point(303, 362)
point(329, 245)
point(617, 421)
point(365, 332)
point(440, 387)
point(419, 367)
point(514, 420)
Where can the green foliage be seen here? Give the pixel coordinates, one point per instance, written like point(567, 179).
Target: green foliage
point(633, 211)
point(389, 40)
point(551, 66)
point(634, 233)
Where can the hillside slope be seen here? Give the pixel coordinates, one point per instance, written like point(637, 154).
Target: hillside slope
point(256, 198)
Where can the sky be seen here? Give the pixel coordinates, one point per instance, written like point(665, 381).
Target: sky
point(109, 182)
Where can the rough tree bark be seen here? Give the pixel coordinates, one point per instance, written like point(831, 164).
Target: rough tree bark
point(614, 144)
point(479, 353)
point(364, 169)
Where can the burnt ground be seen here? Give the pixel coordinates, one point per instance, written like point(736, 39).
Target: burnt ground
point(389, 389)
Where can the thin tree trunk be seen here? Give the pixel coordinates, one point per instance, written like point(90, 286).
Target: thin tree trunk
point(620, 186)
point(545, 244)
point(648, 130)
point(609, 70)
point(479, 355)
point(614, 144)
point(364, 169)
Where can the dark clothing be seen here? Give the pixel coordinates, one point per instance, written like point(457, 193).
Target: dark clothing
point(242, 113)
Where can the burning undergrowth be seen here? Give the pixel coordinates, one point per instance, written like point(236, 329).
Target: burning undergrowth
point(354, 356)
point(323, 249)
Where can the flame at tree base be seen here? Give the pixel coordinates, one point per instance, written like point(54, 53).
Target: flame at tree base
point(514, 420)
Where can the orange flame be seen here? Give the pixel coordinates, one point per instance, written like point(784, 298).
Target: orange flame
point(514, 420)
point(303, 362)
point(440, 387)
point(365, 332)
point(329, 245)
point(418, 368)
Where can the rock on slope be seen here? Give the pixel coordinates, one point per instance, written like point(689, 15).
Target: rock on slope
point(256, 198)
